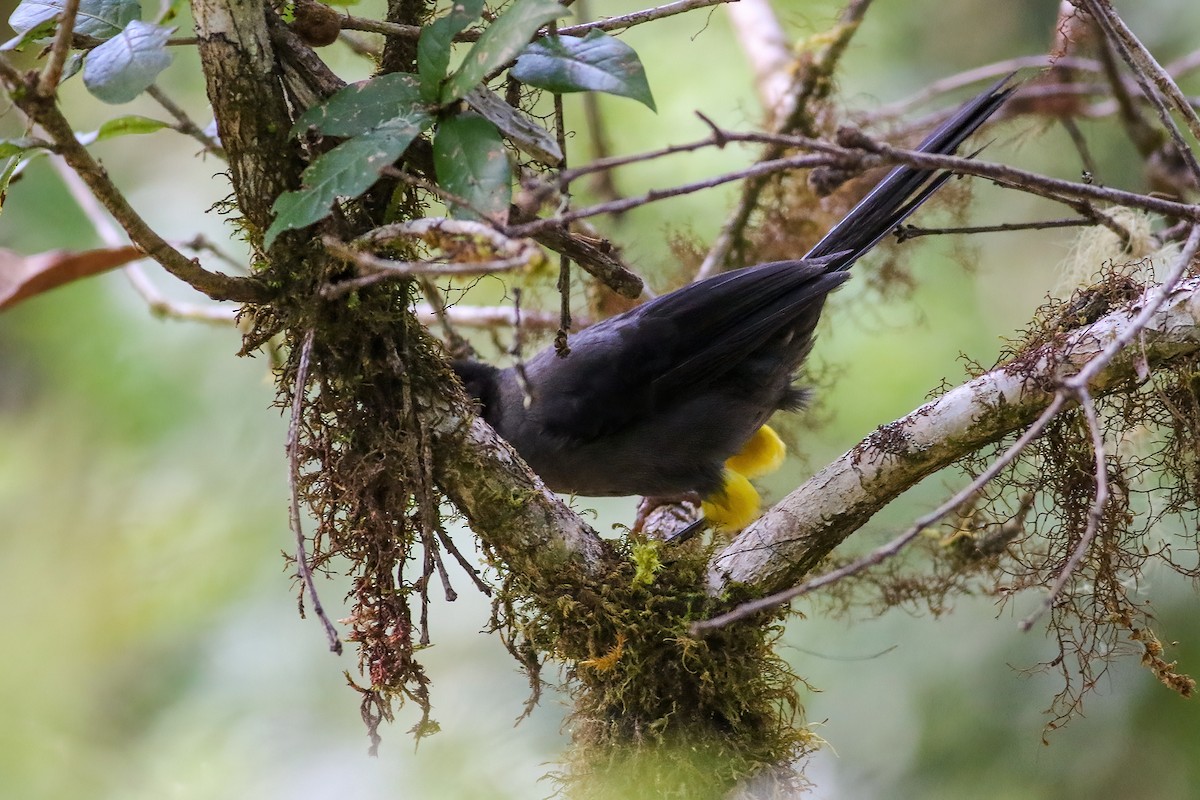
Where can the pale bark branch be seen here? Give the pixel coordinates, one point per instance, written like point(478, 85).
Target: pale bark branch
point(791, 538)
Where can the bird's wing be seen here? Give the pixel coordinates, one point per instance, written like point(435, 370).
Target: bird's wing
point(630, 367)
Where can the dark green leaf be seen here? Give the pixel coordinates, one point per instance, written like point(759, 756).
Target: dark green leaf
point(500, 43)
point(471, 163)
point(122, 126)
point(121, 68)
point(347, 170)
point(433, 48)
point(595, 62)
point(102, 19)
point(362, 106)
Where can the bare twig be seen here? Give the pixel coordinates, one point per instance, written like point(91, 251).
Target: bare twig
point(792, 114)
point(108, 233)
point(847, 155)
point(1143, 62)
point(608, 24)
point(47, 83)
point(463, 241)
point(1034, 183)
point(303, 569)
point(184, 123)
point(467, 247)
point(654, 195)
point(1148, 71)
point(905, 232)
point(491, 317)
point(382, 269)
point(988, 72)
point(563, 285)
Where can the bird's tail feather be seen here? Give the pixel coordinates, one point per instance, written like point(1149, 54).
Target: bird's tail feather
point(904, 189)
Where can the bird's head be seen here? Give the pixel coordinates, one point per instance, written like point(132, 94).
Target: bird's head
point(479, 379)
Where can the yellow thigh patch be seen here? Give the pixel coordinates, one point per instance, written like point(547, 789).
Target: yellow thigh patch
point(735, 506)
point(762, 454)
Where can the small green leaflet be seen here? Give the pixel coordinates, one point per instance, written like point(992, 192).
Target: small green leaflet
point(471, 162)
point(121, 126)
point(499, 44)
point(124, 66)
point(14, 147)
point(347, 170)
point(596, 62)
point(362, 106)
point(433, 48)
point(102, 19)
point(43, 30)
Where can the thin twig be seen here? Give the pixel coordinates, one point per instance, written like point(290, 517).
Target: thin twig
point(1081, 146)
point(791, 115)
point(487, 317)
point(47, 83)
point(987, 72)
point(304, 570)
point(1149, 72)
point(1031, 182)
point(905, 232)
point(108, 233)
point(184, 123)
point(563, 285)
point(608, 24)
point(386, 268)
point(654, 195)
point(1143, 62)
point(849, 155)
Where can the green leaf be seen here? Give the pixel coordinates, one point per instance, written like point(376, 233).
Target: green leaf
point(500, 43)
point(362, 106)
point(121, 126)
point(121, 68)
point(102, 19)
point(7, 171)
point(433, 48)
point(43, 30)
point(595, 62)
point(471, 162)
point(347, 170)
point(15, 147)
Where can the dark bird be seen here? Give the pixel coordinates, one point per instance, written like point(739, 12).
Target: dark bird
point(671, 398)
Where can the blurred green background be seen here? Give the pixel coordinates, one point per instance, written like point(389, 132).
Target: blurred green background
point(152, 645)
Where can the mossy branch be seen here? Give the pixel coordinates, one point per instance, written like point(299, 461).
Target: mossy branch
point(507, 505)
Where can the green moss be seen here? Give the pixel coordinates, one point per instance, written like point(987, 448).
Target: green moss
point(659, 712)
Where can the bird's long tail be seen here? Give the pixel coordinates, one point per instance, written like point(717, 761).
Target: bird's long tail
point(904, 189)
